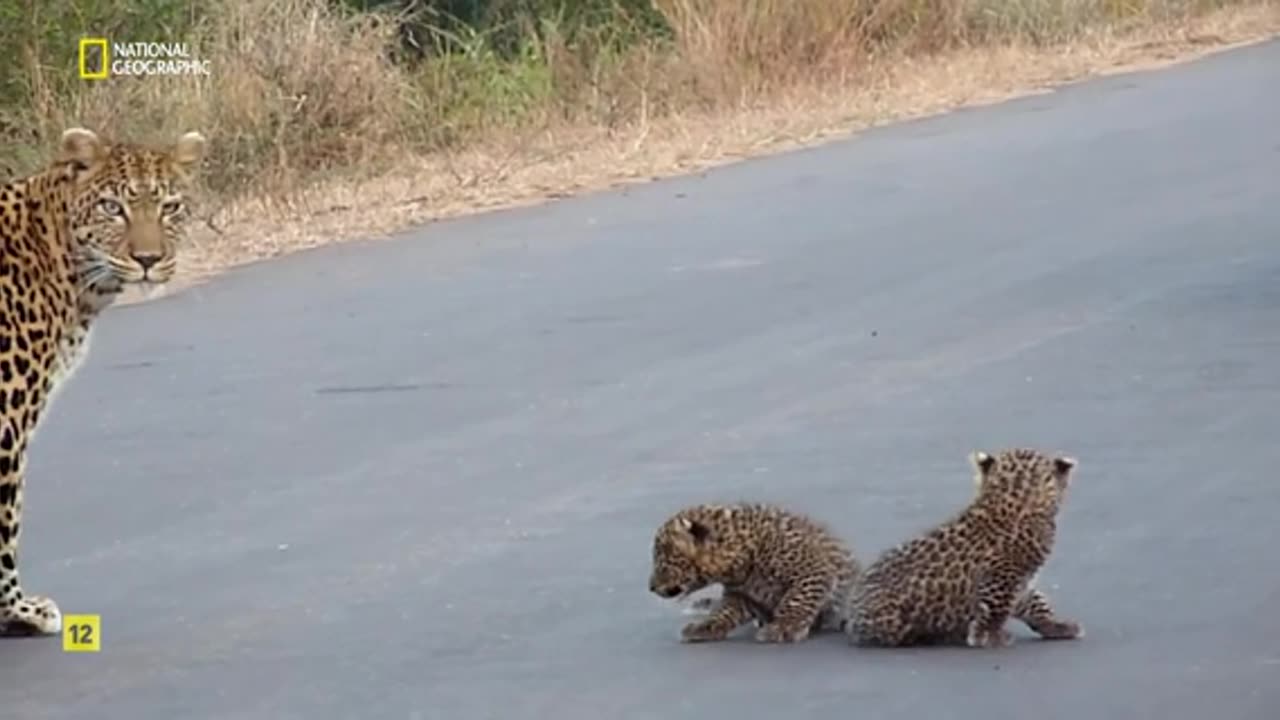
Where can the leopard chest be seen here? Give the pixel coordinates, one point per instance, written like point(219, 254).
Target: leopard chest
point(39, 361)
point(69, 354)
point(762, 589)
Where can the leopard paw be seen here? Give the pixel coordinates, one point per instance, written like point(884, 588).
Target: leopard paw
point(702, 632)
point(1062, 630)
point(984, 638)
point(775, 633)
point(32, 615)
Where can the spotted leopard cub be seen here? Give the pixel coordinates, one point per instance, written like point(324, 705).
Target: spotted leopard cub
point(959, 582)
point(782, 569)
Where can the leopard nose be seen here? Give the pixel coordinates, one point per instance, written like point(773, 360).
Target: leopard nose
point(146, 260)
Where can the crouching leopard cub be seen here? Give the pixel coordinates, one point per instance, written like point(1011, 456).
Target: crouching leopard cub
point(782, 569)
point(103, 215)
point(959, 582)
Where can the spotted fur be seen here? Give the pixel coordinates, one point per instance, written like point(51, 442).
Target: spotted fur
point(101, 216)
point(782, 569)
point(959, 582)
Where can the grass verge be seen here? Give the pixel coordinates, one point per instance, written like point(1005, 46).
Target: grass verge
point(319, 135)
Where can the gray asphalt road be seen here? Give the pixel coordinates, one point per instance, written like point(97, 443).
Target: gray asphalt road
point(418, 479)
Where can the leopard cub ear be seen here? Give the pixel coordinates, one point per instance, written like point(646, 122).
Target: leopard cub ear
point(981, 461)
point(1064, 465)
point(700, 532)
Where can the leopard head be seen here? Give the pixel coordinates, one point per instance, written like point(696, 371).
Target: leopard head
point(130, 207)
point(694, 548)
point(1022, 480)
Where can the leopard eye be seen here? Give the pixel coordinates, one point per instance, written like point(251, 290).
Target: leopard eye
point(171, 207)
point(111, 207)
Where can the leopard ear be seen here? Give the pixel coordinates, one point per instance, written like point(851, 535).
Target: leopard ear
point(982, 464)
point(700, 532)
point(981, 461)
point(82, 149)
point(1064, 465)
point(188, 151)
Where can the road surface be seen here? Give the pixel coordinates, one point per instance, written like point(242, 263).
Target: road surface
point(418, 478)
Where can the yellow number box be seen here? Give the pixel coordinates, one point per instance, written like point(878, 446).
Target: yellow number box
point(81, 633)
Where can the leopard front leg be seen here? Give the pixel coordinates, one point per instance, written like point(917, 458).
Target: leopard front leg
point(20, 614)
point(708, 605)
point(1036, 612)
point(878, 622)
point(797, 612)
point(732, 612)
point(996, 594)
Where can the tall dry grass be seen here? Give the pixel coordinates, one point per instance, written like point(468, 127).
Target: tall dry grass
point(739, 50)
point(303, 90)
point(295, 87)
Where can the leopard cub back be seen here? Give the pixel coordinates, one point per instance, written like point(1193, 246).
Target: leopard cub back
point(781, 568)
point(960, 581)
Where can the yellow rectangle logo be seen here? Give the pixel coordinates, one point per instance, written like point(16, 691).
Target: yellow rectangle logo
point(93, 59)
point(82, 633)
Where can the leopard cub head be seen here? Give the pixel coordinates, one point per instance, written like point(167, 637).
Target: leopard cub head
point(694, 548)
point(1022, 480)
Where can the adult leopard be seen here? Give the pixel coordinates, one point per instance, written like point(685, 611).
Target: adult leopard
point(102, 215)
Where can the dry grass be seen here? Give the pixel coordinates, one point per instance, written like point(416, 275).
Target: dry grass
point(294, 88)
point(318, 136)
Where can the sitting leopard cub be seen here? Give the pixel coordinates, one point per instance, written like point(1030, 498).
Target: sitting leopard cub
point(782, 569)
point(959, 582)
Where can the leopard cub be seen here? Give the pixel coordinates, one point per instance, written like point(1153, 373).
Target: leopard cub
point(784, 570)
point(959, 582)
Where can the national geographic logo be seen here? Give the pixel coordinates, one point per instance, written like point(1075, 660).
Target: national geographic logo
point(94, 60)
point(137, 59)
